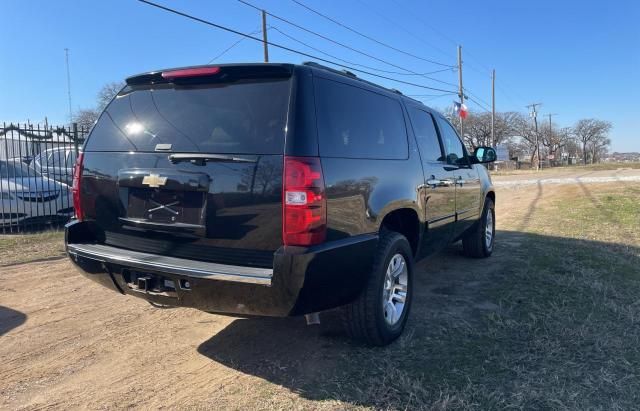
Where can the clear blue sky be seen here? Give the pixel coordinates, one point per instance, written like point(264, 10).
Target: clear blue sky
point(579, 58)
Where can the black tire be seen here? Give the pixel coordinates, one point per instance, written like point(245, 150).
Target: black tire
point(474, 242)
point(364, 319)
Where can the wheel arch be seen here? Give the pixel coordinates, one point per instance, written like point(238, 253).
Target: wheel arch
point(406, 222)
point(492, 195)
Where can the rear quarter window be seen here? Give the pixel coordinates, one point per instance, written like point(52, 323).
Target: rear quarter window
point(358, 123)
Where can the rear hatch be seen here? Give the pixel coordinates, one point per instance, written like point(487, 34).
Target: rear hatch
point(188, 163)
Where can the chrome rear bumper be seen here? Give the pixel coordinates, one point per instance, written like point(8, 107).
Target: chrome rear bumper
point(171, 265)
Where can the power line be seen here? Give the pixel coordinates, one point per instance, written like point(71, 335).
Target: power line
point(482, 103)
point(368, 37)
point(403, 28)
point(444, 36)
point(321, 35)
point(350, 62)
point(482, 70)
point(486, 104)
point(478, 103)
point(232, 46)
point(510, 97)
point(230, 30)
point(246, 3)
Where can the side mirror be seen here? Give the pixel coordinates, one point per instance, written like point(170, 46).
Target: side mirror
point(485, 155)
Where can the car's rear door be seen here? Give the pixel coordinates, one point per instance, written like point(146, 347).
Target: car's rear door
point(467, 181)
point(438, 189)
point(191, 167)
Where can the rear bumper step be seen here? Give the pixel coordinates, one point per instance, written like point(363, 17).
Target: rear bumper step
point(300, 280)
point(172, 265)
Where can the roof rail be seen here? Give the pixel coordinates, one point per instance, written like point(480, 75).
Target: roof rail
point(347, 74)
point(323, 67)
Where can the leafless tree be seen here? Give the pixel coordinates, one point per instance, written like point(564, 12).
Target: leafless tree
point(107, 93)
point(553, 139)
point(593, 136)
point(87, 117)
point(477, 129)
point(598, 147)
point(526, 132)
point(573, 145)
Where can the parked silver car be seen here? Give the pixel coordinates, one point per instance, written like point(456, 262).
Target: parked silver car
point(56, 163)
point(25, 194)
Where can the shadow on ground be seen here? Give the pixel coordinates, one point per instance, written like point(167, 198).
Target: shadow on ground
point(482, 334)
point(10, 319)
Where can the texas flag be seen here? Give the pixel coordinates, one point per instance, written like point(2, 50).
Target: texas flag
point(460, 109)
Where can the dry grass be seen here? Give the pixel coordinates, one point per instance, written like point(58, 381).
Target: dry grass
point(554, 325)
point(23, 248)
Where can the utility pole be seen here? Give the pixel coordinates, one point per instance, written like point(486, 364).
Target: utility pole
point(460, 88)
point(550, 115)
point(493, 107)
point(534, 114)
point(551, 133)
point(264, 36)
point(66, 56)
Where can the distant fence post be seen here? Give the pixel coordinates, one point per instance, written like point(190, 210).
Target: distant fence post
point(75, 137)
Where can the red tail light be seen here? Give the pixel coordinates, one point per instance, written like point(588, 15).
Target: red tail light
point(75, 190)
point(304, 220)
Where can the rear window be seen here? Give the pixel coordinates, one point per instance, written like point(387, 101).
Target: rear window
point(242, 117)
point(357, 123)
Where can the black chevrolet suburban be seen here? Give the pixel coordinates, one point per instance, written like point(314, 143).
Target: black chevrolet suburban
point(274, 190)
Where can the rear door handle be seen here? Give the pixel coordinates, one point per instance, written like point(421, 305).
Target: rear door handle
point(433, 182)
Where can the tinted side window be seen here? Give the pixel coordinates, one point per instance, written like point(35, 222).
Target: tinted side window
point(357, 123)
point(426, 135)
point(452, 145)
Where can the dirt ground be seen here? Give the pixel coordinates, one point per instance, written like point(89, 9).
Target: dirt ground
point(510, 331)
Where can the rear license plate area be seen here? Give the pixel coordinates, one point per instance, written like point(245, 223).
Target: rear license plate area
point(166, 207)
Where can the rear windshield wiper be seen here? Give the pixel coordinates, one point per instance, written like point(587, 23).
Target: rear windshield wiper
point(202, 159)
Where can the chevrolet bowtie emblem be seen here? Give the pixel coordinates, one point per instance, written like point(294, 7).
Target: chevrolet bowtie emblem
point(154, 180)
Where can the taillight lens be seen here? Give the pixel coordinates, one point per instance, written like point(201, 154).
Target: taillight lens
point(304, 220)
point(75, 189)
